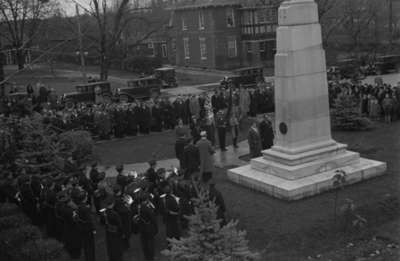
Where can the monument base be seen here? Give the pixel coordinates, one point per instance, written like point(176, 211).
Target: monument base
point(264, 180)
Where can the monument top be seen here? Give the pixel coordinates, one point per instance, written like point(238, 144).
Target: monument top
point(298, 12)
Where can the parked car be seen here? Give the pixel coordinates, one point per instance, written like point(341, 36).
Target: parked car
point(167, 77)
point(17, 97)
point(350, 69)
point(87, 93)
point(387, 63)
point(247, 77)
point(142, 88)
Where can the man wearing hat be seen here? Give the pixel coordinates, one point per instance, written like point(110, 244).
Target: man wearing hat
point(191, 159)
point(206, 152)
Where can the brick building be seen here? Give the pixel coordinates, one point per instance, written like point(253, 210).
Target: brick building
point(224, 34)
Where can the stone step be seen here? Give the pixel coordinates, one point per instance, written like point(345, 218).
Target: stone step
point(306, 169)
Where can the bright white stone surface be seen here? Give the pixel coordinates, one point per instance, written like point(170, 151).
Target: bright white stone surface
point(304, 187)
point(302, 161)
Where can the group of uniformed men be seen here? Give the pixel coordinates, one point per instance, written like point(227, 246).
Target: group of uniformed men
point(70, 205)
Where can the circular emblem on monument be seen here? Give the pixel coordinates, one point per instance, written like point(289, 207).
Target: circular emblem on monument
point(283, 128)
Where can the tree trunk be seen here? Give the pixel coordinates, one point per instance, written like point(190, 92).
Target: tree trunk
point(20, 58)
point(1, 72)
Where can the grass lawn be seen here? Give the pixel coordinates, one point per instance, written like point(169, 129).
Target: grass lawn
point(301, 229)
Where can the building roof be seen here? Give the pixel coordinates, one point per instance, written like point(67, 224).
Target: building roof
point(192, 4)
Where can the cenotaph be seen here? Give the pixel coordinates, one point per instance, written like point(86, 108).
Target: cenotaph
point(304, 157)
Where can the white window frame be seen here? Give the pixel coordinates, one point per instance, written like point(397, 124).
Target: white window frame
point(164, 50)
point(150, 45)
point(203, 48)
point(186, 50)
point(230, 13)
point(184, 25)
point(201, 19)
point(234, 41)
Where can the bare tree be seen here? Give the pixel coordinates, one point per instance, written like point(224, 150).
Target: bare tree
point(359, 17)
point(21, 20)
point(112, 20)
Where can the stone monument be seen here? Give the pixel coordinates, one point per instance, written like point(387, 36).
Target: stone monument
point(304, 157)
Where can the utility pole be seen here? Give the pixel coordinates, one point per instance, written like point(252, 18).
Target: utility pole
point(390, 23)
point(1, 71)
point(81, 53)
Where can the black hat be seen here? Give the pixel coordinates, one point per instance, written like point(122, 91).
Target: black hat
point(119, 168)
point(78, 195)
point(63, 196)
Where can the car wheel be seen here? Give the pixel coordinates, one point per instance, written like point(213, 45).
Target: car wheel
point(124, 98)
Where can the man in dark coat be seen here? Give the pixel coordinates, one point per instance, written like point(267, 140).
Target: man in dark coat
point(148, 227)
point(131, 121)
point(221, 127)
point(83, 217)
point(114, 231)
point(151, 176)
point(171, 213)
point(156, 116)
point(122, 207)
point(266, 133)
point(191, 159)
point(254, 141)
point(179, 149)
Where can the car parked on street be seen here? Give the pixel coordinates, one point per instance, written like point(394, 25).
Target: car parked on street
point(87, 93)
point(141, 88)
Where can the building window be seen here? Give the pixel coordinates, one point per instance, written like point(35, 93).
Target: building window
point(230, 17)
point(164, 50)
point(201, 19)
point(186, 48)
point(248, 47)
point(203, 48)
point(232, 48)
point(150, 46)
point(184, 25)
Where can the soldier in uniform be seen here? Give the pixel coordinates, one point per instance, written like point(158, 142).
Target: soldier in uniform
point(148, 228)
point(123, 208)
point(114, 231)
point(171, 213)
point(84, 219)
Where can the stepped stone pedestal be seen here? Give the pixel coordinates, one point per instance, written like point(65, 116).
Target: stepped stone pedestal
point(304, 157)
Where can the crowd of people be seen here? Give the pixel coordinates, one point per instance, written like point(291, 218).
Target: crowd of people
point(140, 117)
point(376, 101)
point(70, 206)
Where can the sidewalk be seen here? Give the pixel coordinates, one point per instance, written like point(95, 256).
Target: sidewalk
point(221, 160)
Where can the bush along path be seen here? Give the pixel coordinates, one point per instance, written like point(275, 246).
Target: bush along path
point(21, 241)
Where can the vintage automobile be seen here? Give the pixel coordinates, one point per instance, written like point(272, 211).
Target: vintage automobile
point(87, 93)
point(167, 77)
point(142, 88)
point(17, 97)
point(247, 77)
point(387, 63)
point(350, 69)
